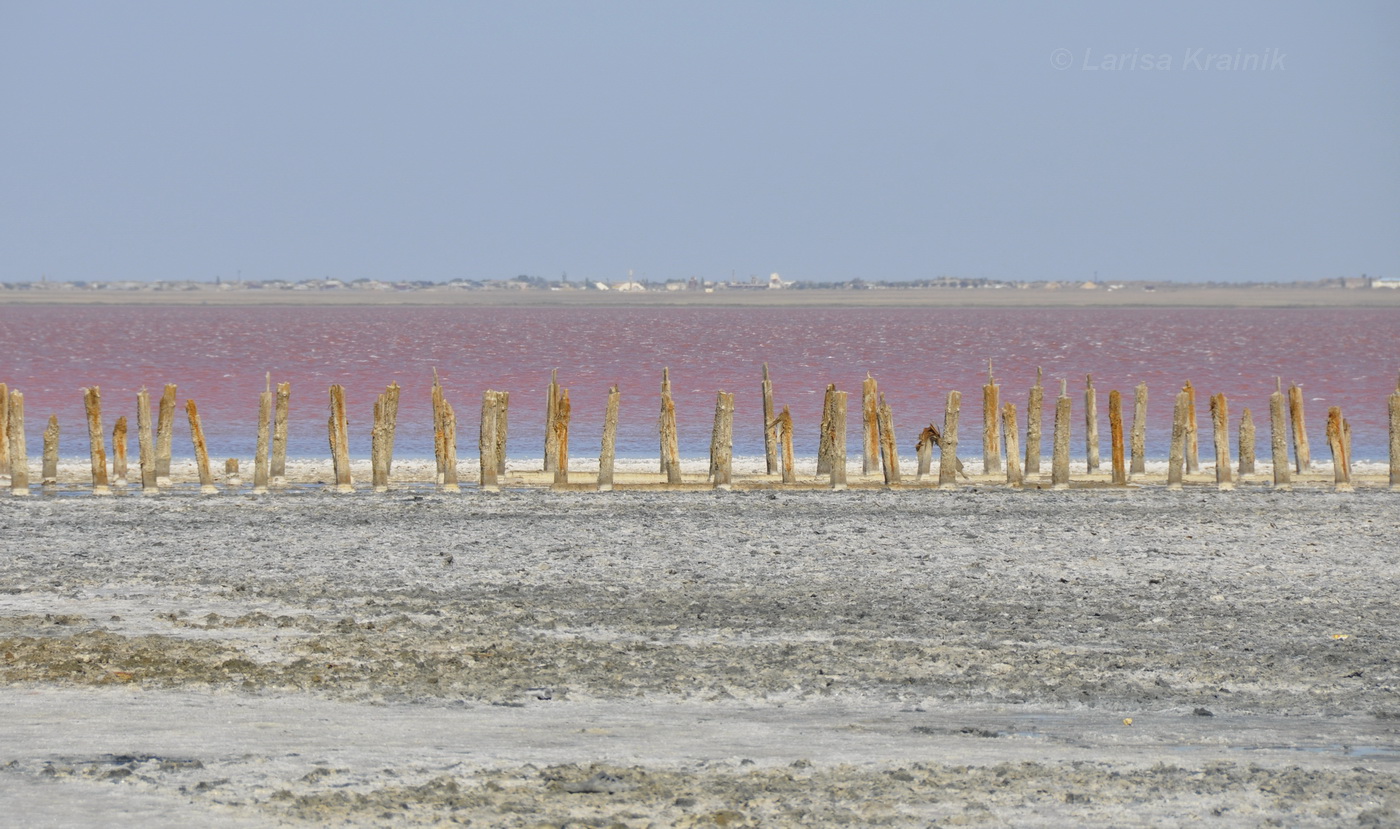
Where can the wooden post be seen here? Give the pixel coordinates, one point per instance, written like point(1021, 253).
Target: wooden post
point(1193, 433)
point(281, 411)
point(870, 426)
point(824, 440)
point(1115, 437)
point(1395, 438)
point(1220, 422)
point(201, 449)
point(4, 434)
point(1059, 464)
point(837, 440)
point(378, 471)
point(670, 440)
point(50, 471)
point(608, 454)
point(92, 402)
point(488, 466)
point(561, 437)
point(502, 421)
point(1176, 459)
point(165, 434)
point(1336, 439)
point(14, 434)
point(262, 455)
point(889, 451)
point(1301, 452)
point(231, 474)
point(770, 426)
point(722, 442)
point(119, 452)
point(1013, 450)
point(145, 443)
point(1278, 437)
point(923, 450)
point(1034, 412)
point(1139, 440)
point(439, 429)
point(948, 460)
point(1246, 443)
point(339, 433)
point(785, 439)
point(551, 418)
point(450, 479)
point(1091, 426)
point(991, 425)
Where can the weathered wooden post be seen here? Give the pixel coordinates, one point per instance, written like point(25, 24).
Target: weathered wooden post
point(670, 439)
point(1115, 437)
point(119, 452)
point(281, 411)
point(50, 471)
point(1176, 459)
point(231, 473)
point(1336, 439)
point(1091, 426)
point(1139, 439)
point(785, 439)
point(824, 438)
point(145, 443)
point(488, 468)
point(948, 460)
point(439, 429)
point(1034, 412)
point(991, 425)
point(1278, 437)
point(92, 402)
point(561, 437)
point(889, 453)
point(1013, 450)
point(551, 419)
point(837, 440)
point(1193, 433)
point(378, 470)
point(4, 434)
point(390, 427)
point(339, 434)
point(1301, 451)
point(502, 422)
point(1220, 422)
point(722, 442)
point(770, 426)
point(923, 450)
point(870, 426)
point(1395, 437)
point(450, 473)
point(1059, 464)
point(608, 455)
point(201, 449)
point(262, 454)
point(1246, 443)
point(165, 434)
point(14, 434)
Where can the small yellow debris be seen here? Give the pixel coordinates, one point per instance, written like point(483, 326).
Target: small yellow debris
point(1341, 636)
point(1127, 720)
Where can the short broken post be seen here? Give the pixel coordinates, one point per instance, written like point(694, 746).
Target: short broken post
point(1176, 457)
point(145, 443)
point(97, 453)
point(1059, 464)
point(923, 451)
point(1336, 439)
point(119, 452)
point(50, 469)
point(770, 426)
point(1115, 437)
point(1013, 449)
point(14, 434)
point(1301, 451)
point(948, 460)
point(201, 449)
point(231, 474)
point(722, 442)
point(277, 470)
point(607, 456)
point(785, 441)
point(1035, 406)
point(165, 434)
point(1139, 435)
point(338, 432)
point(889, 453)
point(1278, 437)
point(836, 440)
point(1220, 423)
point(991, 425)
point(1091, 426)
point(870, 426)
point(1246, 443)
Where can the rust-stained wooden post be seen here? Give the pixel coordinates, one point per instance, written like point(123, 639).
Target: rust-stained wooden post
point(1336, 439)
point(923, 451)
point(165, 434)
point(770, 426)
point(145, 443)
point(837, 440)
point(870, 426)
point(14, 434)
point(1059, 463)
point(281, 411)
point(785, 439)
point(1139, 437)
point(1013, 449)
point(92, 402)
point(1278, 437)
point(1091, 426)
point(262, 466)
point(670, 439)
point(824, 438)
point(1193, 432)
point(608, 455)
point(551, 420)
point(1176, 458)
point(488, 467)
point(561, 437)
point(948, 460)
point(1220, 423)
point(1115, 437)
point(991, 425)
point(1395, 438)
point(339, 434)
point(502, 422)
point(450, 474)
point(1301, 451)
point(1246, 443)
point(1035, 406)
point(722, 442)
point(50, 470)
point(889, 452)
point(119, 452)
point(201, 449)
point(4, 434)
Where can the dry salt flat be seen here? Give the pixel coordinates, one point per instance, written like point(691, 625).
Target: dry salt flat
point(756, 657)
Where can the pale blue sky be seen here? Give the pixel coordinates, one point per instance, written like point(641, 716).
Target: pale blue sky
point(882, 140)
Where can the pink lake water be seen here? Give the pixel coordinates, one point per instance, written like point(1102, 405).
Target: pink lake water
point(219, 357)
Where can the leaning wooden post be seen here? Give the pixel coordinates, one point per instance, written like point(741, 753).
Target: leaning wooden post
point(785, 439)
point(1139, 438)
point(1176, 459)
point(145, 448)
point(870, 426)
point(119, 452)
point(165, 434)
point(262, 455)
point(1278, 437)
point(1059, 464)
point(201, 449)
point(339, 430)
point(50, 470)
point(4, 433)
point(770, 426)
point(551, 416)
point(1395, 438)
point(502, 422)
point(92, 402)
point(450, 479)
point(1246, 443)
point(1220, 423)
point(1034, 412)
point(889, 451)
point(1336, 439)
point(278, 466)
point(608, 454)
point(1091, 426)
point(948, 461)
point(991, 425)
point(489, 469)
point(1115, 437)
point(14, 434)
point(722, 444)
point(923, 451)
point(670, 440)
point(1193, 432)
point(837, 440)
point(561, 437)
point(1301, 451)
point(824, 438)
point(1013, 450)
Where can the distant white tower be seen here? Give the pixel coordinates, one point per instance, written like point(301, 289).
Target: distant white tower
point(774, 282)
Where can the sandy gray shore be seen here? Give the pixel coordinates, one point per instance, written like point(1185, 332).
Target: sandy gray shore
point(703, 659)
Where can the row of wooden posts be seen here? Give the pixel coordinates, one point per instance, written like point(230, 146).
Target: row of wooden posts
point(1000, 434)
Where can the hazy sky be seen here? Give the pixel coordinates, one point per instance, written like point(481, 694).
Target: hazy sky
point(882, 140)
